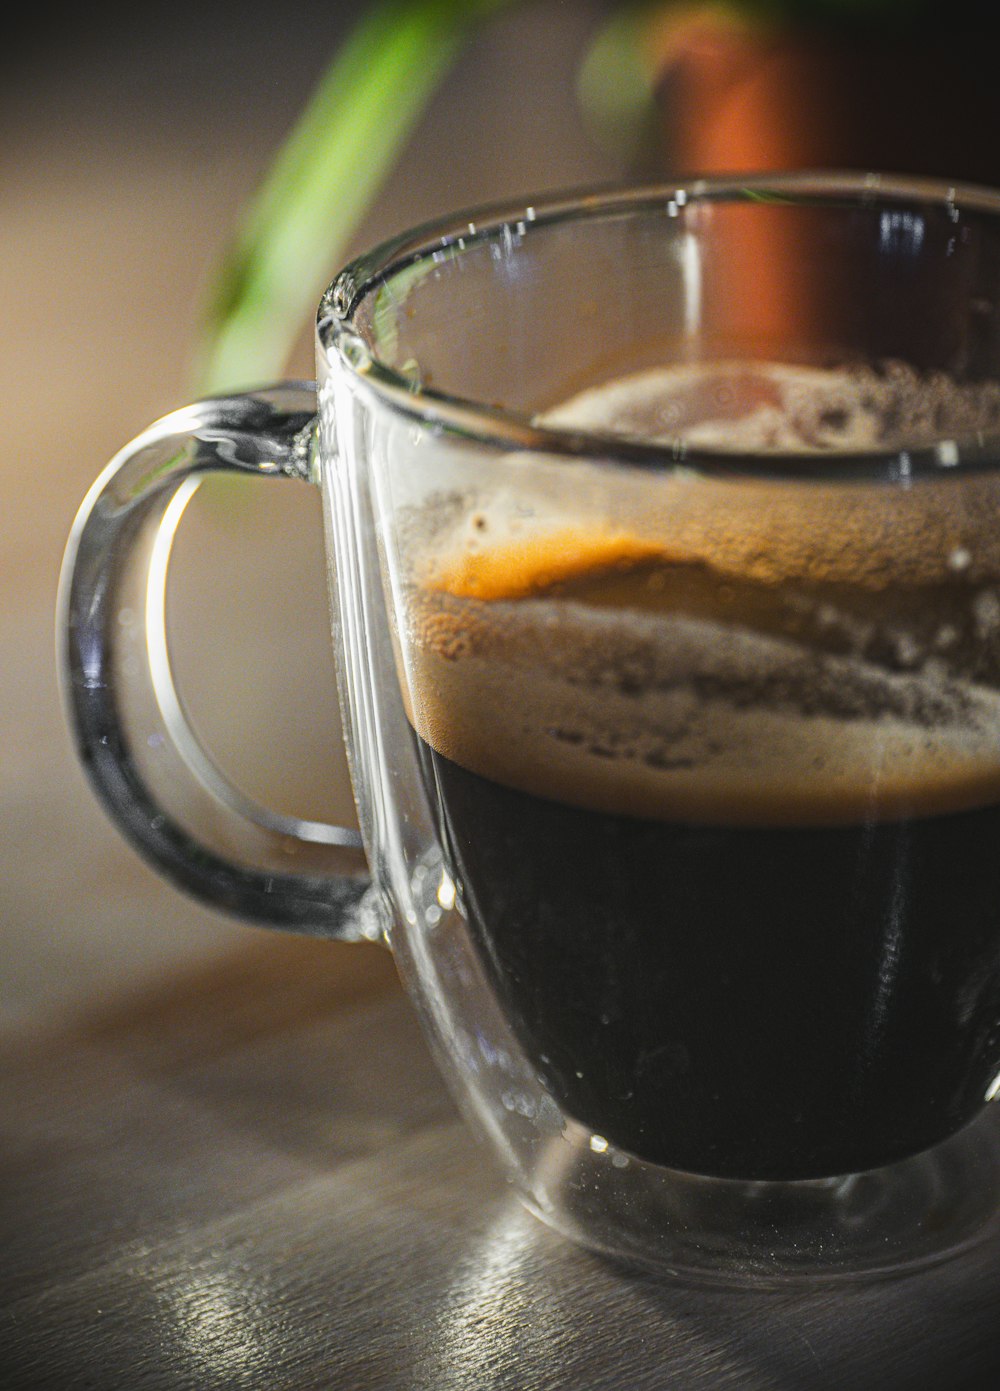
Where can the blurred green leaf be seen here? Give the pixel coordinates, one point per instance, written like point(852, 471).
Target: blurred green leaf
point(322, 181)
point(614, 85)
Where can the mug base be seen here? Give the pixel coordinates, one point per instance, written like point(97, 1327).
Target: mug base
point(876, 1224)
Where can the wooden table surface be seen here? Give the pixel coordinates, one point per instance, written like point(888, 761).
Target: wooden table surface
point(225, 1158)
point(249, 1175)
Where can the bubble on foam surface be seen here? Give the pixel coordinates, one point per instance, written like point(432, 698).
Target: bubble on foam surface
point(986, 612)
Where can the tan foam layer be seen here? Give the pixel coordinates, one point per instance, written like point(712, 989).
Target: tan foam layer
point(674, 734)
point(781, 407)
point(862, 535)
point(747, 654)
point(873, 537)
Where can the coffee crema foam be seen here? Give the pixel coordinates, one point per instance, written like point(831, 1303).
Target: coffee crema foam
point(779, 408)
point(741, 654)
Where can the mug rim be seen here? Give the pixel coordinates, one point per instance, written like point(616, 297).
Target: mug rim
point(512, 431)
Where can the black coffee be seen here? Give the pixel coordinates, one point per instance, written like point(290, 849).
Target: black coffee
point(716, 766)
point(755, 1003)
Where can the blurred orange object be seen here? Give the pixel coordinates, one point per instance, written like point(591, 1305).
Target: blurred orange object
point(739, 94)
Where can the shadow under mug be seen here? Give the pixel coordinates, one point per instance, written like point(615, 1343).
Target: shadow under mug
point(665, 567)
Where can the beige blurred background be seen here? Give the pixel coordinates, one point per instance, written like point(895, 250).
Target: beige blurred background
point(127, 148)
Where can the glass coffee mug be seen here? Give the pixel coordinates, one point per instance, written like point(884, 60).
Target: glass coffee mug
point(665, 561)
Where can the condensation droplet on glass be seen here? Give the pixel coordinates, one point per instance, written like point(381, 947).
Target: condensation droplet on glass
point(986, 611)
point(446, 892)
point(908, 651)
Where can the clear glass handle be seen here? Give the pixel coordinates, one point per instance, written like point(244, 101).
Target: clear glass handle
point(140, 751)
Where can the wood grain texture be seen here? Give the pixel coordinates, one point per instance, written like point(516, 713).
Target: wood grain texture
point(251, 1176)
